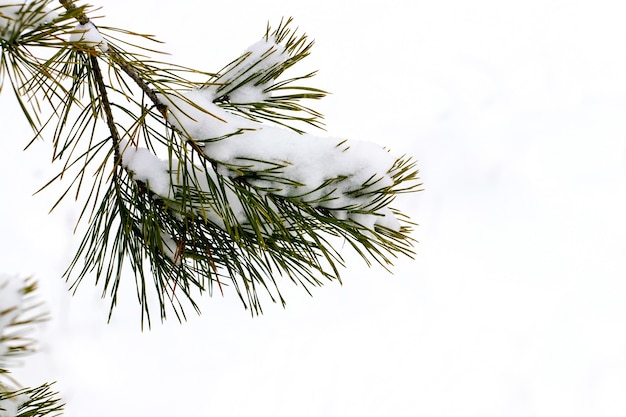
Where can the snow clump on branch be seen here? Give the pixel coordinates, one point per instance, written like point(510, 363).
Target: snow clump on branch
point(348, 178)
point(331, 173)
point(89, 36)
point(15, 16)
point(260, 58)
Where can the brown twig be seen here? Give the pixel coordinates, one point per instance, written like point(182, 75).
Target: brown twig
point(83, 19)
point(130, 71)
point(108, 113)
point(70, 7)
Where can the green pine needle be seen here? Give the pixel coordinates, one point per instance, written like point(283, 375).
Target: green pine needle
point(179, 246)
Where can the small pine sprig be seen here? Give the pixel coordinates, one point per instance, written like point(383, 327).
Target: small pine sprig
point(20, 313)
point(30, 402)
point(256, 72)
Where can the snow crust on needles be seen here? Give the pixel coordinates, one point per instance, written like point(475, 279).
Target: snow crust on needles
point(260, 57)
point(320, 171)
point(88, 35)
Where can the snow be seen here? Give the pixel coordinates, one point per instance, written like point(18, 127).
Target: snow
point(305, 162)
point(514, 305)
point(148, 168)
point(249, 94)
point(162, 177)
point(171, 248)
point(195, 113)
point(11, 11)
point(261, 57)
point(89, 36)
point(9, 407)
point(324, 172)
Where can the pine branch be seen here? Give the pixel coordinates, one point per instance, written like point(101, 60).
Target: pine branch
point(83, 19)
point(191, 186)
point(79, 14)
point(31, 402)
point(20, 313)
point(108, 113)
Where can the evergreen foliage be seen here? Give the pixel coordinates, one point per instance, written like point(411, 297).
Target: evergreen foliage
point(19, 313)
point(216, 223)
point(205, 219)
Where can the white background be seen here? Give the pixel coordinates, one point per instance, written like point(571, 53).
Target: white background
point(514, 305)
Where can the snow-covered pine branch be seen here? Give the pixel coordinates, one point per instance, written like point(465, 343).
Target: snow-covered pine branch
point(16, 17)
point(241, 165)
point(196, 179)
point(193, 179)
point(353, 179)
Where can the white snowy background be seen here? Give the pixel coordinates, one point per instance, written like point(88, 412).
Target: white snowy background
point(514, 305)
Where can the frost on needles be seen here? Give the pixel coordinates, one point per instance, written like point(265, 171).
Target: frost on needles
point(208, 180)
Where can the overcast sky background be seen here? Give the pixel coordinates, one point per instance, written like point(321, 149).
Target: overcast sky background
point(514, 305)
